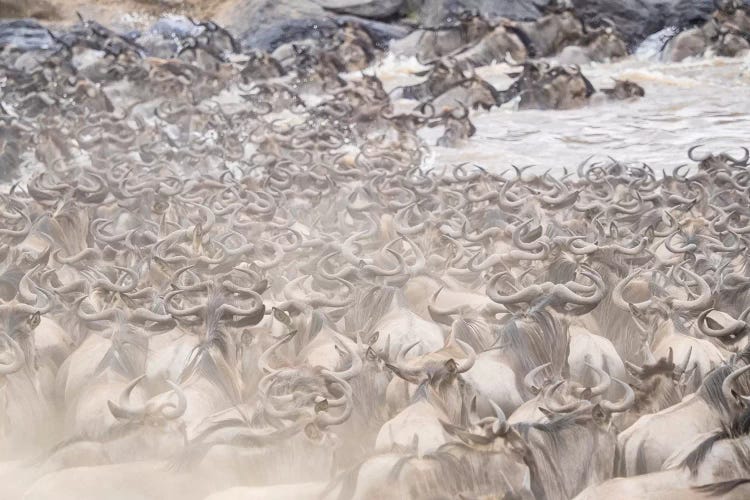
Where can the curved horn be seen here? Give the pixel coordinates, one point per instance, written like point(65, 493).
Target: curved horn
point(702, 301)
point(602, 385)
point(727, 387)
point(123, 410)
point(619, 301)
point(624, 404)
point(529, 381)
point(690, 154)
point(740, 161)
point(471, 357)
point(553, 406)
point(169, 410)
point(733, 327)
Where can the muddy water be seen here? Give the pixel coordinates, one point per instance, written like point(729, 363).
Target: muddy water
point(702, 101)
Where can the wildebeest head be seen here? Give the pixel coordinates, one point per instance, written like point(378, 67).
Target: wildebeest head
point(542, 86)
point(354, 47)
point(532, 72)
point(659, 384)
point(474, 25)
point(489, 433)
point(458, 126)
point(558, 7)
point(553, 32)
point(728, 6)
point(437, 367)
point(460, 32)
point(562, 87)
point(569, 439)
point(472, 92)
point(441, 76)
point(604, 43)
point(261, 66)
point(731, 42)
point(624, 89)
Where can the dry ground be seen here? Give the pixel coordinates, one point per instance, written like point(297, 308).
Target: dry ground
point(113, 11)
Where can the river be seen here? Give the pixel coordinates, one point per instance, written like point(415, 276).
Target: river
point(699, 101)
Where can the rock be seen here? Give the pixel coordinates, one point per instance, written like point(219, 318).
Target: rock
point(381, 33)
point(249, 17)
point(407, 46)
point(371, 9)
point(686, 12)
point(278, 33)
point(434, 12)
point(282, 32)
point(179, 26)
point(637, 19)
point(268, 24)
point(24, 34)
point(163, 37)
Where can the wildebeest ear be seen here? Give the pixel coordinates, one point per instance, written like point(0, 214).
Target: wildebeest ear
point(281, 316)
point(598, 414)
point(634, 370)
point(373, 338)
point(395, 371)
point(634, 310)
point(35, 319)
point(535, 233)
point(464, 435)
point(401, 375)
point(547, 413)
point(500, 428)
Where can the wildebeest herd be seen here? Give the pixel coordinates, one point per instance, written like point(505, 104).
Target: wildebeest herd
point(215, 286)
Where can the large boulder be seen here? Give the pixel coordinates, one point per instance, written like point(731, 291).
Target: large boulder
point(24, 34)
point(371, 9)
point(162, 39)
point(281, 32)
point(173, 25)
point(277, 33)
point(434, 12)
point(637, 19)
point(268, 24)
point(248, 17)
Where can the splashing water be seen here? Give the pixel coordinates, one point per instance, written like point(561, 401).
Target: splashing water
point(699, 101)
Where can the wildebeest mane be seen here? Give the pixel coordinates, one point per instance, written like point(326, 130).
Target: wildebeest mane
point(370, 305)
point(737, 428)
point(710, 390)
point(722, 488)
point(534, 339)
point(525, 40)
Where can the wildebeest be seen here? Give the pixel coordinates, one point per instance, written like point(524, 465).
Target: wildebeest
point(541, 86)
point(210, 285)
